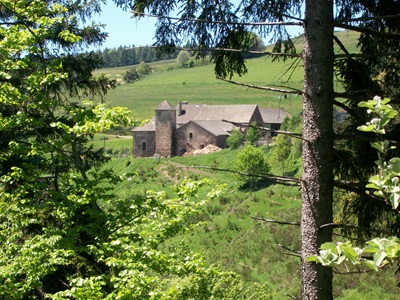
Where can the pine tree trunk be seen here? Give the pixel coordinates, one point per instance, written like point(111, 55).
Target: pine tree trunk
point(317, 178)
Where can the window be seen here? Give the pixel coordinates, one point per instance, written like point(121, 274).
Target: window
point(190, 135)
point(144, 146)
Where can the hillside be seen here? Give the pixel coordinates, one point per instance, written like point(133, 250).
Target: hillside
point(229, 235)
point(199, 85)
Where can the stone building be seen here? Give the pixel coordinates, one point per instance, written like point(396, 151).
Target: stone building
point(186, 127)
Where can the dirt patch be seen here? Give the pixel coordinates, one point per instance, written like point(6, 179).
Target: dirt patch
point(173, 172)
point(205, 150)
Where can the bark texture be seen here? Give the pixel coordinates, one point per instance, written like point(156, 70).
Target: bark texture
point(317, 178)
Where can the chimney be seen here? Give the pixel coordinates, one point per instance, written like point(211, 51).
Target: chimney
point(179, 108)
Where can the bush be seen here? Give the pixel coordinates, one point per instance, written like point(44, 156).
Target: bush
point(131, 76)
point(234, 141)
point(183, 59)
point(253, 134)
point(251, 162)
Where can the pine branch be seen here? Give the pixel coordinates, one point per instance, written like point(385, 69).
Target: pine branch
point(276, 222)
point(351, 272)
point(335, 225)
point(365, 19)
point(266, 53)
point(291, 251)
point(279, 179)
point(281, 13)
point(142, 14)
point(367, 31)
point(363, 138)
point(288, 90)
point(288, 133)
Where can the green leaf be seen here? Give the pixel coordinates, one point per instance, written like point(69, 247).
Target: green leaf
point(368, 104)
point(331, 247)
point(370, 264)
point(379, 258)
point(395, 164)
point(366, 128)
point(395, 200)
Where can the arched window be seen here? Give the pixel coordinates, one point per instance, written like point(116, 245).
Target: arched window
point(190, 135)
point(144, 146)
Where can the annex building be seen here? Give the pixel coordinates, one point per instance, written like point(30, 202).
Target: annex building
point(187, 127)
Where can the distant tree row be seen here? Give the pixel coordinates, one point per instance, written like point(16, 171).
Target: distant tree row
point(131, 55)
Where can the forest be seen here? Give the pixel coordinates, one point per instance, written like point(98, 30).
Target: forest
point(131, 55)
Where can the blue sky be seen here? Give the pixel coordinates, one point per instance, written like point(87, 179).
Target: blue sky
point(123, 30)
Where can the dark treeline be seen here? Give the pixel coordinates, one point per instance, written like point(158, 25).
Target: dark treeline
point(131, 55)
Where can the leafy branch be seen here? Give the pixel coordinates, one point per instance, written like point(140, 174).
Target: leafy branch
point(384, 185)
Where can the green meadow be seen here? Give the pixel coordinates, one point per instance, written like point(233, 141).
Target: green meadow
point(199, 85)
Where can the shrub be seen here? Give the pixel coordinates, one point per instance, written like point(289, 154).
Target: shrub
point(131, 76)
point(234, 141)
point(251, 162)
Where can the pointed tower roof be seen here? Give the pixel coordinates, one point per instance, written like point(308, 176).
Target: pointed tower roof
point(165, 106)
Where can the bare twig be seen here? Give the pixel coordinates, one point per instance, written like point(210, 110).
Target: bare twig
point(364, 19)
point(281, 179)
point(289, 133)
point(292, 251)
point(351, 272)
point(334, 225)
point(367, 31)
point(276, 221)
point(287, 90)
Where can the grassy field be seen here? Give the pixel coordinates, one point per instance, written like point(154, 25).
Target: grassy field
point(199, 84)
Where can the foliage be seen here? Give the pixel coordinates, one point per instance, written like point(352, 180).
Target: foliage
point(131, 55)
point(251, 164)
point(287, 149)
point(384, 186)
point(234, 140)
point(138, 267)
point(56, 240)
point(252, 134)
point(378, 253)
point(131, 76)
point(183, 58)
point(143, 69)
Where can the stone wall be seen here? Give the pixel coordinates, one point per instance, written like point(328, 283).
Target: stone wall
point(143, 144)
point(192, 137)
point(165, 122)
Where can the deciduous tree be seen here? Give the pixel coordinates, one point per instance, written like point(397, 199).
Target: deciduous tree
point(251, 164)
point(57, 239)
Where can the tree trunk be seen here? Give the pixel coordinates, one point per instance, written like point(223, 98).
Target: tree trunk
point(317, 178)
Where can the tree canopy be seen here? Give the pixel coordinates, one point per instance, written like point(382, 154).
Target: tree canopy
point(63, 233)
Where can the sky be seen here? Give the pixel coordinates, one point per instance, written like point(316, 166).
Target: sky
point(123, 30)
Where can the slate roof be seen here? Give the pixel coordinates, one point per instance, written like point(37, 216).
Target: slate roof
point(165, 106)
point(203, 114)
point(215, 127)
point(189, 111)
point(233, 113)
point(151, 126)
point(273, 115)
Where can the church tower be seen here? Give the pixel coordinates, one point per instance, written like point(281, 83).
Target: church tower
point(165, 123)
